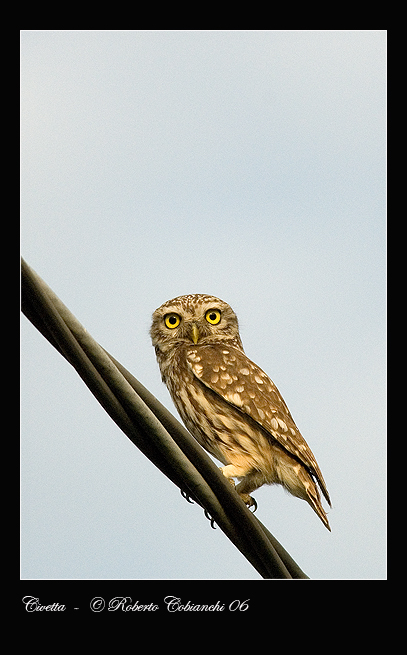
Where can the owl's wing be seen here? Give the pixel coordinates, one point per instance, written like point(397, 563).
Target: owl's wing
point(232, 375)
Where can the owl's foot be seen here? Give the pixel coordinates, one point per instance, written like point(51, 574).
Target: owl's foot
point(231, 480)
point(187, 497)
point(249, 501)
point(209, 517)
point(229, 471)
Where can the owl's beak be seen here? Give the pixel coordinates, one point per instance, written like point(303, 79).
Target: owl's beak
point(194, 333)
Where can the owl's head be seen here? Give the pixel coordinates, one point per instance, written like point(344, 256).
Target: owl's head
point(194, 319)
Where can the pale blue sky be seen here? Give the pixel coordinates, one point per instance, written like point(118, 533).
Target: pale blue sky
point(247, 164)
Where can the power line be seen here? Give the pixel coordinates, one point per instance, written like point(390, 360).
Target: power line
point(154, 430)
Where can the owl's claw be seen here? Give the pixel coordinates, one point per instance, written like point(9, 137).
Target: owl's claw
point(253, 504)
point(187, 497)
point(209, 517)
point(249, 501)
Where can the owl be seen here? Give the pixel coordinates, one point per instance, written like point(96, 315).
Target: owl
point(229, 404)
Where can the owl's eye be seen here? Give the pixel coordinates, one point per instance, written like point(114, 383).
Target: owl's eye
point(172, 320)
point(213, 316)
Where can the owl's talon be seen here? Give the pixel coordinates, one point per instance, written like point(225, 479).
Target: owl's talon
point(209, 517)
point(249, 501)
point(187, 497)
point(253, 504)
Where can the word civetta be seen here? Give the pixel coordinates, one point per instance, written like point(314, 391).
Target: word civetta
point(126, 604)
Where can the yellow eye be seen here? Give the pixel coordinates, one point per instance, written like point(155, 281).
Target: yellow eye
point(213, 316)
point(172, 320)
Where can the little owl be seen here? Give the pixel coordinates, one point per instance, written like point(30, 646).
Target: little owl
point(229, 404)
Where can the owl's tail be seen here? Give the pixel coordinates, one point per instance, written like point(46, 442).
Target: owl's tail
point(314, 499)
point(298, 481)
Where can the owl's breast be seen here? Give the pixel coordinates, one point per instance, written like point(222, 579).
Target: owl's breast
point(220, 428)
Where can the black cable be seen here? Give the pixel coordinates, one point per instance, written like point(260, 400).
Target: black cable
point(153, 429)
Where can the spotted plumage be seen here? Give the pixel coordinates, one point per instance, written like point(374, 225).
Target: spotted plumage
point(228, 403)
